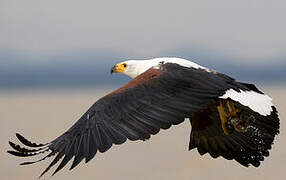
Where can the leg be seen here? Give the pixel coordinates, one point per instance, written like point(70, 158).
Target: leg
point(223, 117)
point(230, 120)
point(231, 109)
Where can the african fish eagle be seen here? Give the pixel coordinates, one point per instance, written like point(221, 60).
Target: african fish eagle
point(231, 119)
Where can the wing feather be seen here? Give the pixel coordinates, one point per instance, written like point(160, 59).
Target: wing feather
point(26, 142)
point(78, 152)
point(157, 99)
point(68, 156)
point(57, 158)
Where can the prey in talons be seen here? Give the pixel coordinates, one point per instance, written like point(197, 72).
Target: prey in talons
point(231, 118)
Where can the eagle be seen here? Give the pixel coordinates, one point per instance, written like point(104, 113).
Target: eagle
point(228, 118)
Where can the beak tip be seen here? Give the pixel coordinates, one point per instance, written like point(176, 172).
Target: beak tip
point(113, 69)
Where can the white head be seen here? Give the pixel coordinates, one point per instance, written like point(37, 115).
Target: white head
point(133, 68)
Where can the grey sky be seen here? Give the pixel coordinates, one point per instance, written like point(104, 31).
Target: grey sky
point(247, 29)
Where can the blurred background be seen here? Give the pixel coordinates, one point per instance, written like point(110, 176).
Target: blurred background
point(55, 60)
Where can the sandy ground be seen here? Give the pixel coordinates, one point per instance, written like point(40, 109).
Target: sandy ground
point(42, 116)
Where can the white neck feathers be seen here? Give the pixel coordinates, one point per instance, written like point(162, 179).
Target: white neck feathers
point(137, 67)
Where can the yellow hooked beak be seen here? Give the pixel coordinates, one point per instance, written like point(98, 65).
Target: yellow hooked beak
point(118, 68)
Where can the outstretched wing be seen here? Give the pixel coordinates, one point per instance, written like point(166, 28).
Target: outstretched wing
point(247, 142)
point(154, 100)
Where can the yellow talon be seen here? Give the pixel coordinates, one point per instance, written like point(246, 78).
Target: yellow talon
point(229, 106)
point(231, 109)
point(223, 117)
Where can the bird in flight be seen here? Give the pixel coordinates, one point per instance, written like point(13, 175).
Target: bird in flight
point(231, 119)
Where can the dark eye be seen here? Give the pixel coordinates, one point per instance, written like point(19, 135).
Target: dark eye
point(124, 65)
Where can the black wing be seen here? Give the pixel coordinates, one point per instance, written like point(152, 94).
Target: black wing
point(154, 100)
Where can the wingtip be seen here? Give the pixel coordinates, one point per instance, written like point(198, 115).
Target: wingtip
point(11, 143)
point(57, 170)
point(10, 152)
point(40, 176)
point(19, 136)
point(44, 172)
point(26, 163)
point(28, 143)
